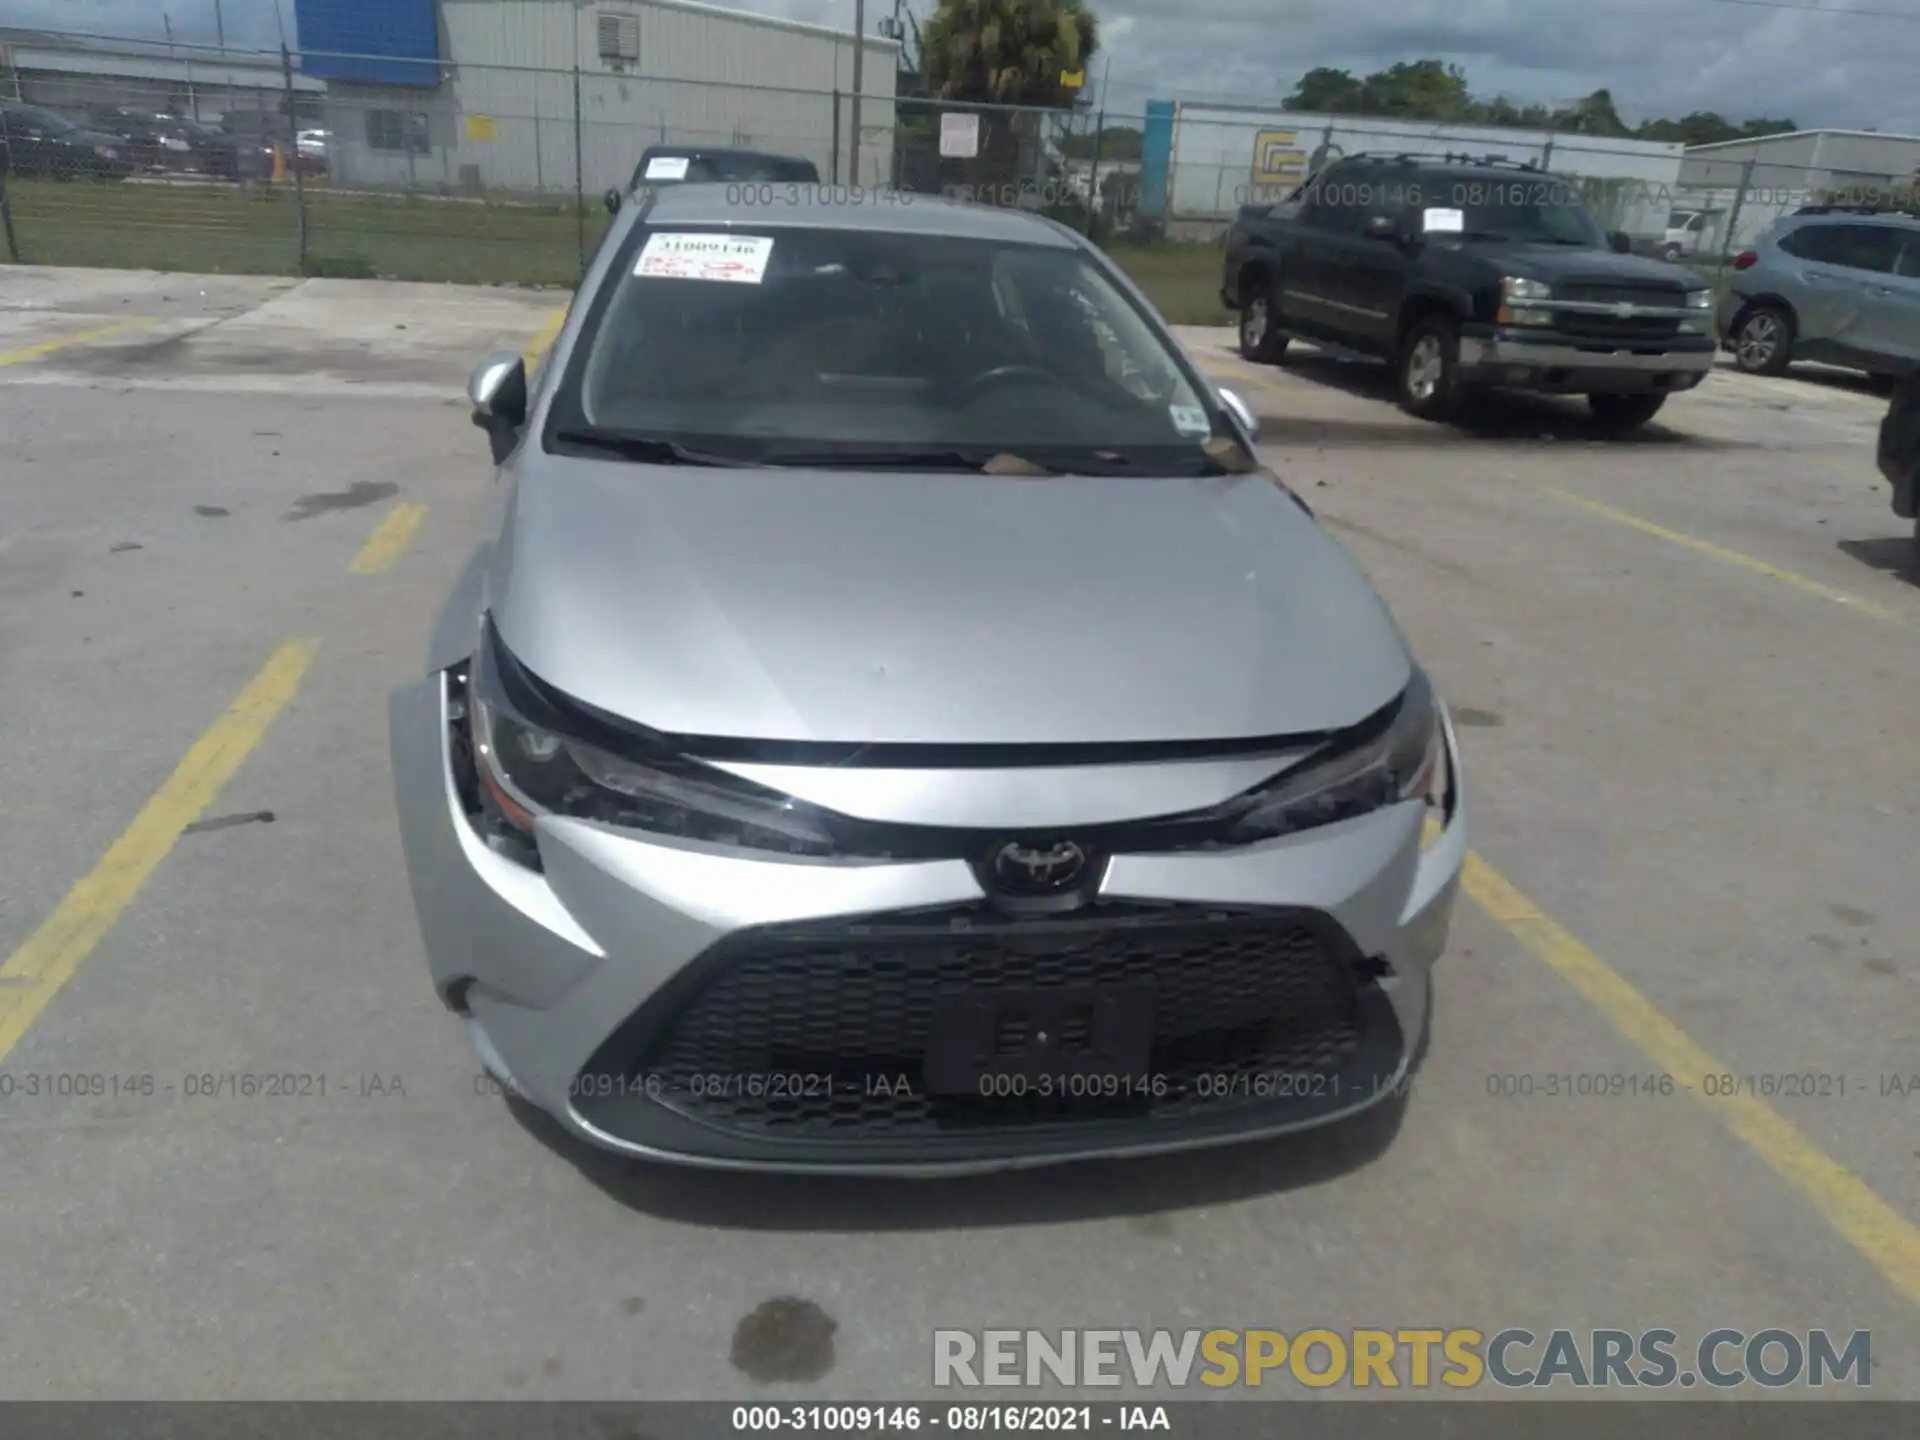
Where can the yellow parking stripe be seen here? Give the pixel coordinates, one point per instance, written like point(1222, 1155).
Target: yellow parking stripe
point(544, 337)
point(48, 959)
point(389, 539)
point(48, 347)
point(1725, 556)
point(1873, 1227)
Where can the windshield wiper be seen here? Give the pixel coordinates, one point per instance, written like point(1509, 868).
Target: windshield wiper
point(997, 462)
point(653, 449)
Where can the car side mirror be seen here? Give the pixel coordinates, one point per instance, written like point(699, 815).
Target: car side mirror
point(613, 201)
point(1243, 416)
point(1382, 227)
point(497, 390)
point(1620, 242)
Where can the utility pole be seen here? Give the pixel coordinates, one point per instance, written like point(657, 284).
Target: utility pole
point(859, 70)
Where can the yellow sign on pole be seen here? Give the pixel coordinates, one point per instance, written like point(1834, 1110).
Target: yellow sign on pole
point(1073, 79)
point(483, 128)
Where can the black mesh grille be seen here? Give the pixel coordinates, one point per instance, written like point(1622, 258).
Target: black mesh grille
point(810, 1033)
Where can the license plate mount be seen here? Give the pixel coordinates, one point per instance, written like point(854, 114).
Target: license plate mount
point(985, 1040)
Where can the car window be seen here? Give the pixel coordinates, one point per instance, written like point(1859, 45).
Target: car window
point(1908, 263)
point(1872, 248)
point(850, 338)
point(1330, 201)
point(1536, 209)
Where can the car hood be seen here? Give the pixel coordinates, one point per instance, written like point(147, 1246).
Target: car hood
point(959, 609)
point(1564, 264)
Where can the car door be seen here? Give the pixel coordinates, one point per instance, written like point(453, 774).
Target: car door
point(1314, 277)
point(1373, 280)
point(1838, 266)
point(1890, 318)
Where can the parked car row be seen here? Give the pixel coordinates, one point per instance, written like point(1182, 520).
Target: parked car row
point(116, 142)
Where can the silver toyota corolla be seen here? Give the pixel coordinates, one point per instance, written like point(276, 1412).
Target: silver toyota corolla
point(897, 728)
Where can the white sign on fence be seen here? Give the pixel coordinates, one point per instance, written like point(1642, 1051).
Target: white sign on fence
point(960, 136)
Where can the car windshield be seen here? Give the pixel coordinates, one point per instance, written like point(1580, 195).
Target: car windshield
point(1680, 219)
point(830, 343)
point(1529, 211)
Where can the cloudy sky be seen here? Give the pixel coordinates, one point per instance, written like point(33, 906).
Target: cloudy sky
point(1821, 62)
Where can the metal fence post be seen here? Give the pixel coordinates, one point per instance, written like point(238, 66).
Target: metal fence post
point(1733, 221)
point(6, 205)
point(1093, 175)
point(579, 176)
point(293, 128)
point(834, 178)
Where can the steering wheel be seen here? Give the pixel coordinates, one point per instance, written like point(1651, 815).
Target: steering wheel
point(999, 375)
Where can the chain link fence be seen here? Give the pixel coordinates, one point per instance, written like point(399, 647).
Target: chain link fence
point(246, 162)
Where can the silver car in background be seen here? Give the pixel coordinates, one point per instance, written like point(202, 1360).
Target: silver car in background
point(897, 728)
point(1829, 285)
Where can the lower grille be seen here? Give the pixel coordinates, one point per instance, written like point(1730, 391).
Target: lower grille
point(821, 1032)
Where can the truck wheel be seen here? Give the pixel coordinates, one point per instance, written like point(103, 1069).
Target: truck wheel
point(1763, 341)
point(1428, 374)
point(1617, 414)
point(1260, 339)
point(1671, 254)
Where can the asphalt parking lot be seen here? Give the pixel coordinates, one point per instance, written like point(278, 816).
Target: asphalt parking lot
point(1683, 667)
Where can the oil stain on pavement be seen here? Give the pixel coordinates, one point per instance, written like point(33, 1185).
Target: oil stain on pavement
point(356, 495)
point(785, 1340)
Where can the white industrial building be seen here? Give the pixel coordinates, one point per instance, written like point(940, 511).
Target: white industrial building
point(541, 95)
point(1202, 162)
point(1742, 186)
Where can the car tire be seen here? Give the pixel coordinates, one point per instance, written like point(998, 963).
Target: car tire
point(1260, 340)
point(1671, 254)
point(1617, 414)
point(1427, 371)
point(1762, 341)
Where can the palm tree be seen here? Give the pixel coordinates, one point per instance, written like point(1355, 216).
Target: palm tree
point(1006, 52)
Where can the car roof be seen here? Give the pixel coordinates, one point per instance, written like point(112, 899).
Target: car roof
point(824, 207)
point(1840, 215)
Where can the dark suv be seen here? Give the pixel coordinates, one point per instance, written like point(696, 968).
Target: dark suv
point(1468, 275)
point(692, 164)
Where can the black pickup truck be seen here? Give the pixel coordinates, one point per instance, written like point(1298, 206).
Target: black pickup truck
point(1467, 275)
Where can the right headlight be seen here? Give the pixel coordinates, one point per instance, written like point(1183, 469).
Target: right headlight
point(1402, 756)
point(527, 768)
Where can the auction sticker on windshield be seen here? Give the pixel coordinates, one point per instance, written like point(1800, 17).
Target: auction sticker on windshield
point(1443, 222)
point(741, 259)
point(667, 167)
point(1190, 420)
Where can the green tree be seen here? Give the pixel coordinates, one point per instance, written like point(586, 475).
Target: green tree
point(1011, 53)
point(1430, 89)
point(1116, 142)
point(1324, 91)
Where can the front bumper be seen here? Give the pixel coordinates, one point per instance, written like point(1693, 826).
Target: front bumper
point(1512, 359)
point(565, 975)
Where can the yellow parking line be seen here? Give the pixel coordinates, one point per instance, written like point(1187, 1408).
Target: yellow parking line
point(389, 539)
point(48, 347)
point(544, 337)
point(1725, 556)
point(48, 959)
point(1873, 1227)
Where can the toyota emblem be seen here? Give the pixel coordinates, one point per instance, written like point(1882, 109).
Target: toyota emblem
point(1044, 869)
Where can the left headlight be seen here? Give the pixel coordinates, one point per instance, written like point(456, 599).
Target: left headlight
point(1699, 299)
point(527, 769)
point(1403, 756)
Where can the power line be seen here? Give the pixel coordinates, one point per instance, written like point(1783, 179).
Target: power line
point(1908, 15)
